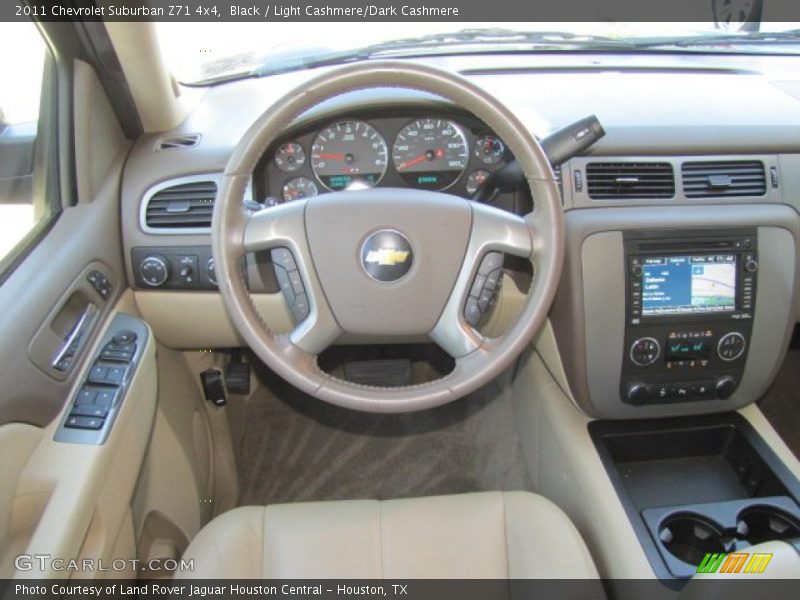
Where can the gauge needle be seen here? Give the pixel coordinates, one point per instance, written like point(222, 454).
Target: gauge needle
point(424, 156)
point(339, 156)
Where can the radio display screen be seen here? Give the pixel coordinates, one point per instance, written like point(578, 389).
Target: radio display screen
point(683, 285)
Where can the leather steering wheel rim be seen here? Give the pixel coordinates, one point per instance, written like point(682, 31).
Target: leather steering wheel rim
point(539, 236)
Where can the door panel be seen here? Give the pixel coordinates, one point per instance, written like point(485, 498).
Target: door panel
point(70, 500)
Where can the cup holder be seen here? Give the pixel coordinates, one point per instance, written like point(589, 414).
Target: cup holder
point(689, 537)
point(766, 523)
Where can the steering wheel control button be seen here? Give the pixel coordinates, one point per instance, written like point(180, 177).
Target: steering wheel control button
point(300, 307)
point(472, 311)
point(387, 256)
point(486, 299)
point(491, 262)
point(645, 351)
point(291, 283)
point(284, 258)
point(477, 285)
point(284, 283)
point(483, 291)
point(731, 346)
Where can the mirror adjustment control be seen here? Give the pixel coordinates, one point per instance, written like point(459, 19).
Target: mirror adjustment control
point(154, 270)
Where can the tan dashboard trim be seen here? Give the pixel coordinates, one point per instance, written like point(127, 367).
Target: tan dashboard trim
point(197, 320)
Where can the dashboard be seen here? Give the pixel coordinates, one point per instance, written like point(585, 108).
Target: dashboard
point(682, 183)
point(421, 149)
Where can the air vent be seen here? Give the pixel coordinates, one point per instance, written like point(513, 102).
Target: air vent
point(619, 180)
point(178, 142)
point(184, 206)
point(719, 179)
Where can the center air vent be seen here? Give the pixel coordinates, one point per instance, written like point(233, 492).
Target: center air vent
point(719, 179)
point(619, 180)
point(183, 206)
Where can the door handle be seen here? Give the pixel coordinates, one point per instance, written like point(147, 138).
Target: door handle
point(68, 350)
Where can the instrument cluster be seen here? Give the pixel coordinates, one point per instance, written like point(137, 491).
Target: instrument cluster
point(424, 151)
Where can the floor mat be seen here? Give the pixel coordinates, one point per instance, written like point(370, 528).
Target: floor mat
point(297, 448)
point(781, 404)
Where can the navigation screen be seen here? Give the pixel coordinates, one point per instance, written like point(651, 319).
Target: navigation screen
point(688, 284)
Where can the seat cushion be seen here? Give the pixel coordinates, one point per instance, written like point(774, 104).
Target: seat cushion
point(483, 535)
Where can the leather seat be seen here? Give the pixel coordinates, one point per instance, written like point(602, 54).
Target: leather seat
point(483, 535)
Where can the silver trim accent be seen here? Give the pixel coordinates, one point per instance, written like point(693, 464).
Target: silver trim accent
point(724, 337)
point(167, 183)
point(76, 336)
point(492, 230)
point(655, 358)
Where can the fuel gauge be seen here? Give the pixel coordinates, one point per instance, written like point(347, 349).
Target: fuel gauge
point(297, 188)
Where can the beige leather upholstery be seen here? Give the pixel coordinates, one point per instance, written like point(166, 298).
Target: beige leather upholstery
point(483, 535)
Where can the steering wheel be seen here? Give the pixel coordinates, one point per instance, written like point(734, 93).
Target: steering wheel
point(387, 261)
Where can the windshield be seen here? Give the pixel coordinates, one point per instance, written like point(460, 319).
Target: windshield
point(207, 52)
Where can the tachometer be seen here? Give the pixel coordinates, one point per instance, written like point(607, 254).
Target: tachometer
point(349, 155)
point(430, 153)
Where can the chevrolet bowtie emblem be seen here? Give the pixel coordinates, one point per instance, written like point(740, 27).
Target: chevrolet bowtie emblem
point(387, 256)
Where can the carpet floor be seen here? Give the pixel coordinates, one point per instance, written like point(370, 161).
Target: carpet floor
point(297, 448)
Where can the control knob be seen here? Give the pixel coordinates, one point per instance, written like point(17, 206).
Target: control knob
point(645, 351)
point(751, 265)
point(211, 271)
point(154, 270)
point(731, 346)
point(725, 387)
point(638, 394)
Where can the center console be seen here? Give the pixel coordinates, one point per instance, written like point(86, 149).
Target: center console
point(697, 489)
point(690, 301)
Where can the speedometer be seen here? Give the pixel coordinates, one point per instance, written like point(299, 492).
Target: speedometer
point(430, 153)
point(349, 155)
